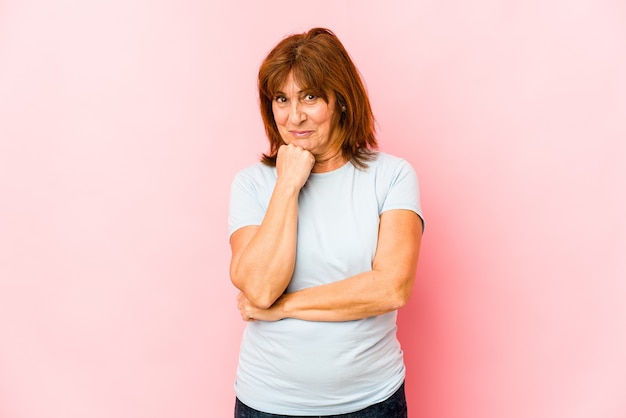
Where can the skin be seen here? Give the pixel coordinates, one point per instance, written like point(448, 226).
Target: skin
point(263, 256)
point(305, 121)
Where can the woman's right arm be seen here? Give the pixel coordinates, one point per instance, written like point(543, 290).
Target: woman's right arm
point(263, 256)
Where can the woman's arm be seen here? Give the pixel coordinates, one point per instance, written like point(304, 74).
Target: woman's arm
point(263, 256)
point(385, 288)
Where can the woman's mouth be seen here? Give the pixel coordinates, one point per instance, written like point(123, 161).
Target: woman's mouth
point(300, 134)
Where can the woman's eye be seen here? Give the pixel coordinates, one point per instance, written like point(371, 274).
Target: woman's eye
point(310, 97)
point(280, 99)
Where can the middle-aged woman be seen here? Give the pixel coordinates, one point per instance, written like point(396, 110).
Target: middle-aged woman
point(325, 235)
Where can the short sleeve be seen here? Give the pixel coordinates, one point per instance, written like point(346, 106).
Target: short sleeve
point(246, 204)
point(402, 189)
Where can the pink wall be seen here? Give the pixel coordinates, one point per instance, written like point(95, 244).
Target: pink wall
point(122, 123)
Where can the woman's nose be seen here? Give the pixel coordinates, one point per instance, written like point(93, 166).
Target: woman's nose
point(296, 115)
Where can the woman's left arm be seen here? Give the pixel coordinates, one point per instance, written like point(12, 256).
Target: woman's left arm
point(385, 288)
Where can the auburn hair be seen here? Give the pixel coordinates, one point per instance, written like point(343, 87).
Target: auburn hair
point(320, 64)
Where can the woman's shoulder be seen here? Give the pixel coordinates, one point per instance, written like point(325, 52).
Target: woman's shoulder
point(383, 161)
point(257, 171)
point(256, 178)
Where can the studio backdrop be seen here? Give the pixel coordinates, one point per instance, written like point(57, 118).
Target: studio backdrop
point(122, 124)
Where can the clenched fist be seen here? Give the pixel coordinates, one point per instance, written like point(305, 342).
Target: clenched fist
point(294, 165)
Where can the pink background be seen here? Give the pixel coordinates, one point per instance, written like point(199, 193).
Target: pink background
point(121, 126)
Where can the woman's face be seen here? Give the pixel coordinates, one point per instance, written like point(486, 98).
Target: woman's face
point(305, 120)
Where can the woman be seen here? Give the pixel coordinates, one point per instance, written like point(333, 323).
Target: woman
point(325, 236)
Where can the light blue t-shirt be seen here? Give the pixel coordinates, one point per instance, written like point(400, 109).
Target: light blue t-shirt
point(295, 367)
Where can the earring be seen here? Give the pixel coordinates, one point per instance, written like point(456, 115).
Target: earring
point(344, 108)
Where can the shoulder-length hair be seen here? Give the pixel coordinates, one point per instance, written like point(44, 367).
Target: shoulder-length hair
point(320, 64)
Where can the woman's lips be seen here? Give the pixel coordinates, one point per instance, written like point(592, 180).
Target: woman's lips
point(300, 134)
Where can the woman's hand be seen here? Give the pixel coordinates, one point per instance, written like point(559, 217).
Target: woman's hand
point(251, 313)
point(294, 164)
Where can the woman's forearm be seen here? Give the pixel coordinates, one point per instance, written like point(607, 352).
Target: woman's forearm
point(361, 296)
point(367, 294)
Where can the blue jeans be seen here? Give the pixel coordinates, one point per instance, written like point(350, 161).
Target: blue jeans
point(394, 407)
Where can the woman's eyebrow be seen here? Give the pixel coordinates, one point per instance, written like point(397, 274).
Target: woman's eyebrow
point(298, 93)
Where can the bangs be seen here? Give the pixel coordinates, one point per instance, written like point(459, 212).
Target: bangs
point(308, 78)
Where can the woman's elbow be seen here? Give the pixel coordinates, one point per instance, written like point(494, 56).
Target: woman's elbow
point(401, 294)
point(261, 301)
point(259, 298)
